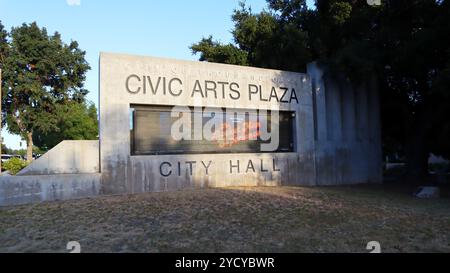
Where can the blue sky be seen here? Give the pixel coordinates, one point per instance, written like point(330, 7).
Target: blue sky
point(155, 28)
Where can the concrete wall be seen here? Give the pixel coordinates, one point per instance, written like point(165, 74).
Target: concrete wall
point(68, 157)
point(347, 129)
point(337, 136)
point(70, 170)
point(337, 127)
point(16, 190)
point(123, 173)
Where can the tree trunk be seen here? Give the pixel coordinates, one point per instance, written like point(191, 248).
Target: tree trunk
point(417, 148)
point(416, 160)
point(29, 147)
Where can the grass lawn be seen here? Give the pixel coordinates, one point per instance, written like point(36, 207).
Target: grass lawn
point(262, 219)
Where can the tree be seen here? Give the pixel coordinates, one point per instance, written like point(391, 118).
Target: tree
point(260, 40)
point(216, 52)
point(75, 121)
point(4, 48)
point(6, 150)
point(415, 71)
point(41, 72)
point(3, 53)
point(404, 43)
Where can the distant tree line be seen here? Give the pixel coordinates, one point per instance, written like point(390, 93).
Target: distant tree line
point(9, 151)
point(404, 43)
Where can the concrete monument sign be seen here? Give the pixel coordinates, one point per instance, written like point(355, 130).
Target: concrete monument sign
point(127, 81)
point(169, 124)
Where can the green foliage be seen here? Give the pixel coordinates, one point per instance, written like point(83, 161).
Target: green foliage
point(14, 165)
point(75, 121)
point(40, 72)
point(22, 152)
point(4, 48)
point(340, 12)
point(289, 10)
point(6, 150)
point(214, 51)
point(261, 40)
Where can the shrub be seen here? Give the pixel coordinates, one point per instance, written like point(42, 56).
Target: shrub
point(14, 165)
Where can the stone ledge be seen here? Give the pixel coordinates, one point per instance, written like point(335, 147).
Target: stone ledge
point(15, 190)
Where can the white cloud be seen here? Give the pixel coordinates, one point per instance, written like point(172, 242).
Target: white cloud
point(73, 2)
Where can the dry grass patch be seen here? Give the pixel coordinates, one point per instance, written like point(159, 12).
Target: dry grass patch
point(261, 219)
